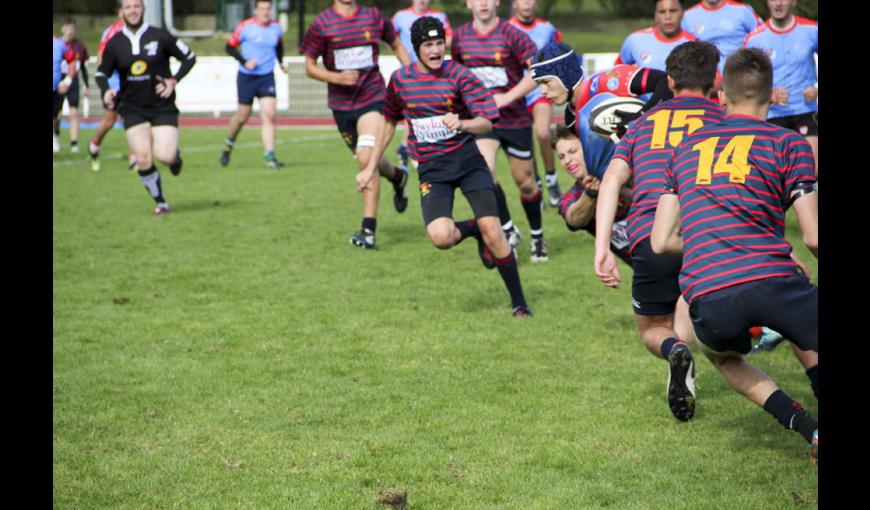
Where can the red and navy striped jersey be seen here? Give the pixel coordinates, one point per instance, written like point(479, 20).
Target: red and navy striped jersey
point(648, 146)
point(350, 43)
point(499, 59)
point(424, 99)
point(734, 179)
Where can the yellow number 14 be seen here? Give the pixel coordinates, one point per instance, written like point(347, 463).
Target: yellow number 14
point(733, 160)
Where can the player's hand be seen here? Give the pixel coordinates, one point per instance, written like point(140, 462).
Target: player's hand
point(109, 99)
point(810, 94)
point(165, 87)
point(624, 119)
point(347, 78)
point(285, 68)
point(805, 269)
point(451, 121)
point(364, 178)
point(590, 182)
point(250, 64)
point(779, 96)
point(606, 269)
point(501, 100)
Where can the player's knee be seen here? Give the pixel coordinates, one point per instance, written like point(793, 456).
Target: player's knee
point(441, 238)
point(165, 155)
point(543, 134)
point(491, 232)
point(144, 160)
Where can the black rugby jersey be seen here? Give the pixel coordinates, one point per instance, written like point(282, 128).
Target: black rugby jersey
point(140, 57)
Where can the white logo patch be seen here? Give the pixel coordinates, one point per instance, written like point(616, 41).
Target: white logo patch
point(181, 46)
point(431, 129)
point(356, 57)
point(491, 76)
point(152, 48)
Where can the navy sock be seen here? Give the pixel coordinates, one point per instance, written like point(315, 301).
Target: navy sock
point(667, 345)
point(813, 374)
point(791, 414)
point(507, 268)
point(504, 215)
point(467, 228)
point(370, 224)
point(398, 175)
point(532, 206)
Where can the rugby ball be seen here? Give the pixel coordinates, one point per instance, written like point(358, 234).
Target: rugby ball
point(603, 119)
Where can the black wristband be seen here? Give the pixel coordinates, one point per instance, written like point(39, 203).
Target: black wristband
point(591, 194)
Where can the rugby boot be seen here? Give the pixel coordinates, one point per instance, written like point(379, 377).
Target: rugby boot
point(681, 382)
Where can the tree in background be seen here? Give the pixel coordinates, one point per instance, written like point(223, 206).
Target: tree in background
point(643, 9)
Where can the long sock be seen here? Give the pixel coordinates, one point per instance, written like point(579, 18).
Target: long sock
point(269, 155)
point(73, 143)
point(370, 224)
point(532, 206)
point(504, 215)
point(791, 414)
point(507, 268)
point(667, 345)
point(813, 374)
point(467, 228)
point(551, 177)
point(151, 179)
point(398, 175)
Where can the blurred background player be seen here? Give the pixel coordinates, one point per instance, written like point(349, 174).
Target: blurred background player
point(658, 310)
point(346, 35)
point(110, 116)
point(542, 33)
point(140, 53)
point(650, 47)
point(258, 45)
point(728, 186)
point(586, 162)
point(725, 23)
point(59, 85)
point(73, 94)
point(402, 22)
point(446, 106)
point(791, 42)
point(499, 53)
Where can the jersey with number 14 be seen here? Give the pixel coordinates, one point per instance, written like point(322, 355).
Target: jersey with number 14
point(734, 180)
point(424, 99)
point(498, 58)
point(648, 146)
point(350, 44)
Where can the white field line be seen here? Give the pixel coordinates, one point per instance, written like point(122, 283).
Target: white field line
point(82, 157)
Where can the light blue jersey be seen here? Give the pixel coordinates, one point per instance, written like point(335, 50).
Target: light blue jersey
point(794, 68)
point(649, 48)
point(726, 25)
point(403, 20)
point(596, 150)
point(58, 50)
point(259, 43)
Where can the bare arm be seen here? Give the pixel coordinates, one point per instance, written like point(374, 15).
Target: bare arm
point(520, 90)
point(665, 238)
point(401, 52)
point(615, 177)
point(475, 126)
point(807, 210)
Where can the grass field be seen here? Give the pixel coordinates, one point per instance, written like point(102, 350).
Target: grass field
point(239, 353)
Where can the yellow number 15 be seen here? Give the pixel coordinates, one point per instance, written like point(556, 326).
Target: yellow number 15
point(733, 160)
point(662, 121)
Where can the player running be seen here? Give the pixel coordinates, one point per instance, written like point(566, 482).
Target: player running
point(728, 187)
point(258, 45)
point(542, 33)
point(73, 95)
point(346, 35)
point(499, 53)
point(59, 85)
point(140, 53)
point(446, 106)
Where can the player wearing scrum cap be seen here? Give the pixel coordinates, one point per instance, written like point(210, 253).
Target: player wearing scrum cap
point(446, 106)
point(346, 35)
point(655, 290)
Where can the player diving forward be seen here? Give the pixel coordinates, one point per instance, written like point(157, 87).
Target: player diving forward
point(723, 207)
point(446, 106)
point(141, 54)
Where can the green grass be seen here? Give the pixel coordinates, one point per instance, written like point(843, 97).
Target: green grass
point(239, 353)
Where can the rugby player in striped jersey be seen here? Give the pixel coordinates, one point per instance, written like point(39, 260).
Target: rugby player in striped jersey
point(446, 106)
point(723, 207)
point(499, 53)
point(346, 35)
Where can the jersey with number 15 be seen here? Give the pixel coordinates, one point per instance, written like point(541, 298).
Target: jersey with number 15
point(649, 144)
point(734, 180)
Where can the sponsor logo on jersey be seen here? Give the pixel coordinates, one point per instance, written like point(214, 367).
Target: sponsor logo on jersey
point(152, 48)
point(613, 83)
point(138, 67)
